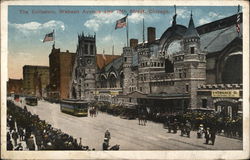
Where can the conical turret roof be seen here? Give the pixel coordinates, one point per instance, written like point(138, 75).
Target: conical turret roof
point(191, 31)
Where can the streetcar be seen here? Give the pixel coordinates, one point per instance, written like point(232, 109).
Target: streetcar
point(32, 101)
point(74, 107)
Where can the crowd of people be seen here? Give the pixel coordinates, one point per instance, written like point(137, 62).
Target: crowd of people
point(230, 127)
point(223, 125)
point(35, 133)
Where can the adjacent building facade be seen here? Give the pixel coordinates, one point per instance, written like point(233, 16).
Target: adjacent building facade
point(60, 71)
point(15, 86)
point(35, 80)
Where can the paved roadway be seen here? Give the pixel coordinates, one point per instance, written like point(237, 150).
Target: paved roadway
point(127, 133)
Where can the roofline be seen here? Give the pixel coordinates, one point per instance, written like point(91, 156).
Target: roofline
point(202, 29)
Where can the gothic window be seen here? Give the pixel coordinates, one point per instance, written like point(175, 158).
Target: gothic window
point(103, 82)
point(86, 49)
point(112, 81)
point(154, 64)
point(125, 59)
point(91, 49)
point(192, 50)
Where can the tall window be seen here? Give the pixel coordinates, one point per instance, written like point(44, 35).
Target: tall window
point(187, 87)
point(125, 59)
point(192, 50)
point(86, 49)
point(204, 103)
point(229, 111)
point(112, 81)
point(219, 109)
point(91, 49)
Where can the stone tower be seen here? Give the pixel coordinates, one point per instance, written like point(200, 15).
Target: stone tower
point(127, 64)
point(84, 72)
point(190, 67)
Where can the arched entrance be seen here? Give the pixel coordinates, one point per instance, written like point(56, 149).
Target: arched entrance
point(232, 70)
point(227, 107)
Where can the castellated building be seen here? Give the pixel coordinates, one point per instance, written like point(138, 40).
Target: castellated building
point(186, 68)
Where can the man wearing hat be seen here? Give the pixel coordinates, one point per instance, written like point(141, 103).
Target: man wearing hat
point(207, 135)
point(105, 144)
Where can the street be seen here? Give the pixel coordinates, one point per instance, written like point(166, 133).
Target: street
point(126, 133)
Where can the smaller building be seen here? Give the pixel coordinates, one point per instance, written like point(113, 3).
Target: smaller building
point(225, 99)
point(35, 80)
point(60, 71)
point(15, 86)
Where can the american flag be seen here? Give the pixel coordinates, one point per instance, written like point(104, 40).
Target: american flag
point(49, 37)
point(238, 20)
point(121, 22)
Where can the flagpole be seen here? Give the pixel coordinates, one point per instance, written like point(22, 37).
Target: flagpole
point(127, 30)
point(54, 37)
point(238, 19)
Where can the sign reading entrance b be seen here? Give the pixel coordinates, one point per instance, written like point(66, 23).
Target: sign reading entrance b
point(226, 93)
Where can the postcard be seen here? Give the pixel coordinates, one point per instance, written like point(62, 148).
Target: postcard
point(128, 80)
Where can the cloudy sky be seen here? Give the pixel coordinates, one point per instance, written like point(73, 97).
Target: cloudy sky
point(27, 26)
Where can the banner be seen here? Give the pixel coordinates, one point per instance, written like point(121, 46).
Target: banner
point(226, 93)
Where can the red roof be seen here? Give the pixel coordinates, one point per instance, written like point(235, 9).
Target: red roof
point(103, 60)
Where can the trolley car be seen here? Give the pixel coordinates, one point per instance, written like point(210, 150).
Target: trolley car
point(74, 107)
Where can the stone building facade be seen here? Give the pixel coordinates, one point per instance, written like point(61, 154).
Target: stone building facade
point(167, 74)
point(35, 80)
point(83, 81)
point(60, 71)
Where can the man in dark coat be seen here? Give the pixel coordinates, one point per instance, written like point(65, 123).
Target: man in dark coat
point(213, 135)
point(105, 144)
point(15, 136)
point(207, 135)
point(31, 143)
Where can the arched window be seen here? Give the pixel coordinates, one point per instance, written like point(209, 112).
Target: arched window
point(112, 81)
point(103, 82)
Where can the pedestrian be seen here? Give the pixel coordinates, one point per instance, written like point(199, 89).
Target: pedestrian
point(107, 135)
point(21, 133)
point(8, 136)
point(15, 136)
point(30, 143)
point(105, 144)
point(213, 135)
point(207, 135)
point(9, 145)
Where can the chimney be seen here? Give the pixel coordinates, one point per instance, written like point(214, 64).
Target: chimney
point(133, 43)
point(151, 34)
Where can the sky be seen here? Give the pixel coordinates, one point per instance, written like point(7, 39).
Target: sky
point(28, 25)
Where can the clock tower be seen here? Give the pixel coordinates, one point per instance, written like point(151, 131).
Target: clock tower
point(83, 78)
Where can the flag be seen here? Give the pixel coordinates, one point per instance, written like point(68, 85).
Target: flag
point(238, 20)
point(49, 37)
point(121, 22)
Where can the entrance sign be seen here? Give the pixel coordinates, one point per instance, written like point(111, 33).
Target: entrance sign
point(226, 93)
